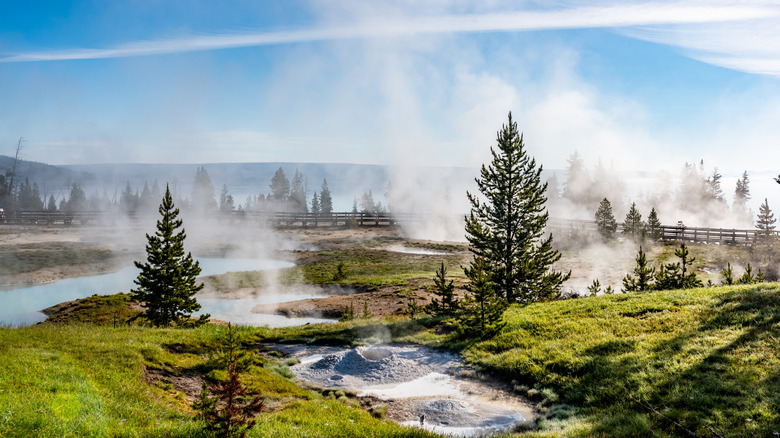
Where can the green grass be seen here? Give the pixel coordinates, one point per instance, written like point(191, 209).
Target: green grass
point(88, 381)
point(368, 268)
point(29, 257)
point(705, 358)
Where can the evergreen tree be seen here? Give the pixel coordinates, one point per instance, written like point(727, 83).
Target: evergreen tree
point(633, 224)
point(167, 281)
point(689, 278)
point(367, 204)
point(231, 409)
point(77, 200)
point(326, 202)
point(226, 202)
point(668, 277)
point(765, 223)
point(51, 205)
point(578, 181)
point(315, 204)
point(595, 287)
point(715, 191)
point(654, 230)
point(445, 302)
point(280, 186)
point(146, 199)
point(749, 278)
point(507, 229)
point(605, 221)
point(297, 197)
point(741, 195)
point(643, 275)
point(678, 275)
point(203, 200)
point(128, 200)
point(482, 310)
point(728, 275)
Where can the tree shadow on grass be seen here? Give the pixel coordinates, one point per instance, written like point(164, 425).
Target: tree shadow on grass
point(708, 386)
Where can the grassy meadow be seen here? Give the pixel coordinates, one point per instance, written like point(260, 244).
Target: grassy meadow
point(698, 362)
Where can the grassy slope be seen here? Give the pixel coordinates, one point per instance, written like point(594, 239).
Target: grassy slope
point(82, 380)
point(705, 358)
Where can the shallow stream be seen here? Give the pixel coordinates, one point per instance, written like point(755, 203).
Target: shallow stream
point(23, 306)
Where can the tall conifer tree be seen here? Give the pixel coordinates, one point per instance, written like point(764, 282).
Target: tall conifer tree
point(167, 281)
point(326, 202)
point(605, 220)
point(506, 224)
point(633, 224)
point(654, 230)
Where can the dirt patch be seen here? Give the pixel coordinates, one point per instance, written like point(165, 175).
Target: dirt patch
point(190, 384)
point(387, 301)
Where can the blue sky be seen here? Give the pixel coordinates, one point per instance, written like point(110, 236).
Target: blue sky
point(646, 86)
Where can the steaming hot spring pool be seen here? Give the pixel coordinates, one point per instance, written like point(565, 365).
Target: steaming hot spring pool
point(422, 387)
point(23, 306)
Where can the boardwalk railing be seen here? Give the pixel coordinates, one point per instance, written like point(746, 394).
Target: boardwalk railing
point(679, 232)
point(561, 228)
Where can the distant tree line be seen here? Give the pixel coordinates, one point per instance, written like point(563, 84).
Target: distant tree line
point(284, 195)
point(698, 197)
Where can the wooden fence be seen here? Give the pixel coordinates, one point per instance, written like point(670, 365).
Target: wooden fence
point(559, 227)
point(679, 232)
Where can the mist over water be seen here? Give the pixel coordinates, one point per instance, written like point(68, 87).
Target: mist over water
point(23, 306)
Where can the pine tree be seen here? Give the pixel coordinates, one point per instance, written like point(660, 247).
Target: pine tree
point(326, 202)
point(728, 275)
point(579, 184)
point(51, 205)
point(765, 223)
point(297, 197)
point(230, 412)
point(482, 310)
point(167, 281)
point(280, 186)
point(605, 221)
point(713, 182)
point(367, 204)
point(643, 275)
point(128, 200)
point(315, 204)
point(226, 202)
point(77, 200)
point(654, 230)
point(507, 229)
point(203, 200)
point(445, 302)
point(689, 278)
point(741, 194)
point(633, 224)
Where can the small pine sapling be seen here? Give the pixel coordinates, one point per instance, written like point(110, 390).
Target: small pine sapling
point(689, 279)
point(643, 274)
point(229, 408)
point(366, 313)
point(445, 302)
point(482, 310)
point(728, 275)
point(349, 313)
point(594, 288)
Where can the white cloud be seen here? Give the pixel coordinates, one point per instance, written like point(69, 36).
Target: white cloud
point(612, 16)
